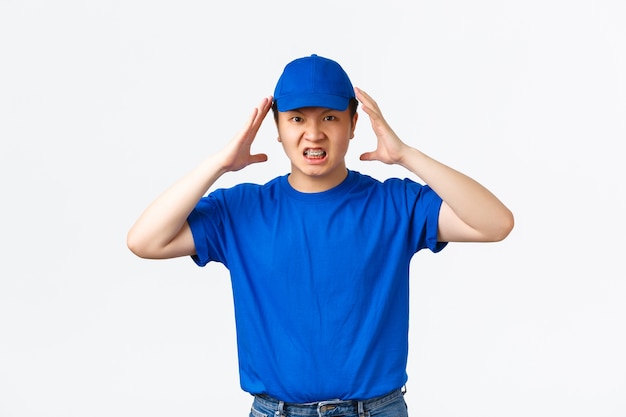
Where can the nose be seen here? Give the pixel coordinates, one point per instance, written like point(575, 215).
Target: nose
point(313, 131)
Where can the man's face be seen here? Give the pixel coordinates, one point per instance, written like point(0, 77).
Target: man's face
point(316, 141)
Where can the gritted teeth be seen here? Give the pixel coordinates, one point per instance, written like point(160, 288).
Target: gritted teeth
point(315, 153)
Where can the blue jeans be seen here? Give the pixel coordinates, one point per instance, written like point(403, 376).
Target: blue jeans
point(390, 405)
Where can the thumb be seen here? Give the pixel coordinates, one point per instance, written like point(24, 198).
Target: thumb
point(368, 156)
point(260, 157)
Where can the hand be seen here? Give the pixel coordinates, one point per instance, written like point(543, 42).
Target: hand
point(390, 149)
point(236, 155)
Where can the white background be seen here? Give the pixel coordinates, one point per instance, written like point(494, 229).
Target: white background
point(104, 104)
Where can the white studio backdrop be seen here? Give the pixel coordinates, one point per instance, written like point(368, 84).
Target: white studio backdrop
point(104, 104)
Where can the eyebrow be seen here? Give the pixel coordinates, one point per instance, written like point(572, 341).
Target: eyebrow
point(324, 110)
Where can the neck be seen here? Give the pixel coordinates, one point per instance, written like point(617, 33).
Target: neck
point(316, 184)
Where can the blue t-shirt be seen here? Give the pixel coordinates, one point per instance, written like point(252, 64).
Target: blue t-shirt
point(320, 281)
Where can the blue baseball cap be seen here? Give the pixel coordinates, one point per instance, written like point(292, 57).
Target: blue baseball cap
point(313, 81)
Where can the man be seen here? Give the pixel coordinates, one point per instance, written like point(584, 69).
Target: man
point(319, 258)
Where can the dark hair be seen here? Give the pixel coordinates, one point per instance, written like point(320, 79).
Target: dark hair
point(352, 105)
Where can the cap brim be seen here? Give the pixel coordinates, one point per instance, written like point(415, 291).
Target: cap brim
point(328, 101)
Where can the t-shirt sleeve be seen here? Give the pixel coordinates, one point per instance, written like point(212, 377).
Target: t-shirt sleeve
point(424, 205)
point(206, 223)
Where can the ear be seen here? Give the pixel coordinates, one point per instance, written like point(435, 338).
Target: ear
point(354, 119)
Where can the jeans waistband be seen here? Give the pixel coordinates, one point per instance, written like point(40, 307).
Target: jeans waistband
point(318, 408)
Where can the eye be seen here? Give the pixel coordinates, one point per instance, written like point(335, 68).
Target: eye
point(296, 119)
point(329, 118)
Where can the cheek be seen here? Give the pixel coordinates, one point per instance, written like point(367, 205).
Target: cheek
point(289, 145)
point(284, 133)
point(289, 138)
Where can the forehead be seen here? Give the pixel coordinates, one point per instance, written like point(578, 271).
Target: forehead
point(312, 111)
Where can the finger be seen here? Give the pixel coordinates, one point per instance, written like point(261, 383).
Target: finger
point(370, 107)
point(361, 95)
point(256, 158)
point(262, 110)
point(365, 98)
point(265, 105)
point(368, 156)
point(252, 125)
point(243, 132)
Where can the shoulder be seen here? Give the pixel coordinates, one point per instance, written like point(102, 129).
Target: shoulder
point(391, 185)
point(404, 194)
point(247, 189)
point(242, 196)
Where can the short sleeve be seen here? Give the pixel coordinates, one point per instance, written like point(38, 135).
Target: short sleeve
point(424, 205)
point(206, 224)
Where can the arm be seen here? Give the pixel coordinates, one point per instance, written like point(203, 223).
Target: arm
point(162, 230)
point(469, 213)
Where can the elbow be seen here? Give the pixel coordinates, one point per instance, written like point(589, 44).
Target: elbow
point(136, 246)
point(504, 227)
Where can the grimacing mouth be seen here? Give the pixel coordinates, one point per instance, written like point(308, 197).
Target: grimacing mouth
point(314, 153)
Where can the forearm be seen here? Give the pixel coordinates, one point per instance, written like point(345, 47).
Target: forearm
point(161, 231)
point(162, 221)
point(473, 204)
point(469, 212)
